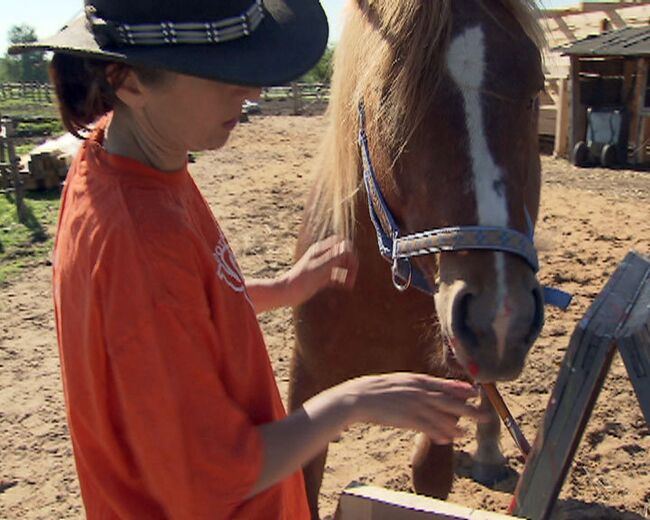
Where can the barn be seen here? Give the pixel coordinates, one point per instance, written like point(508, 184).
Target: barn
point(564, 28)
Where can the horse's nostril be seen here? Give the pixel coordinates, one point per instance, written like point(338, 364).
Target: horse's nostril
point(538, 315)
point(460, 315)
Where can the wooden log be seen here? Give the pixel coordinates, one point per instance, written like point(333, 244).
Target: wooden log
point(639, 96)
point(578, 121)
point(627, 95)
point(373, 503)
point(562, 120)
point(580, 379)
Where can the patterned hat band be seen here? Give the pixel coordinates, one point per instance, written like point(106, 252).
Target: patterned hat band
point(115, 34)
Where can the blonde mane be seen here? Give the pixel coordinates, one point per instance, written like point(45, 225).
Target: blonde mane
point(379, 58)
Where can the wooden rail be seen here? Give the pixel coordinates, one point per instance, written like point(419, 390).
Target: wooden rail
point(30, 90)
point(302, 95)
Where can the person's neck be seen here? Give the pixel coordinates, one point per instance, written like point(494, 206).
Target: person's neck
point(134, 137)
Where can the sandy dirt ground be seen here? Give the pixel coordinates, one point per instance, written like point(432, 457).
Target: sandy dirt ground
point(589, 220)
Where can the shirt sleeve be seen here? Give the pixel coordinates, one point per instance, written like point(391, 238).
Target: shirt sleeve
point(193, 447)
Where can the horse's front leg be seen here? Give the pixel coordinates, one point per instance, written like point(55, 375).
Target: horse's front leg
point(489, 464)
point(301, 388)
point(433, 468)
point(313, 473)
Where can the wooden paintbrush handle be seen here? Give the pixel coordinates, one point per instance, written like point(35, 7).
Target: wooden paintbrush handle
point(500, 406)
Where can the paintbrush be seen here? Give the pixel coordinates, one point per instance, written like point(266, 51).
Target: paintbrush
point(500, 406)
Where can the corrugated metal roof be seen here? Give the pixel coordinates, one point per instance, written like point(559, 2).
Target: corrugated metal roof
point(630, 41)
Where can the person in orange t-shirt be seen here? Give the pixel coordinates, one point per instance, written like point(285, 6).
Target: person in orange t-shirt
point(171, 401)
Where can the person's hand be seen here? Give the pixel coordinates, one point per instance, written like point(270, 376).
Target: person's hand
point(404, 400)
point(328, 263)
point(419, 402)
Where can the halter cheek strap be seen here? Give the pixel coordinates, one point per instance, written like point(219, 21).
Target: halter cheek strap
point(399, 249)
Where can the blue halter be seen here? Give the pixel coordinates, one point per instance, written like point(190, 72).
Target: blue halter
point(399, 249)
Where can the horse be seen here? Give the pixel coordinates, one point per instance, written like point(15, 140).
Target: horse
point(432, 125)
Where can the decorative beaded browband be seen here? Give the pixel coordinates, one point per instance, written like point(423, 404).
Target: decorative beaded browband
point(110, 33)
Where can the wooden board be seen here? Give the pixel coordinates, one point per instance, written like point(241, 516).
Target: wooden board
point(360, 502)
point(639, 96)
point(578, 113)
point(547, 120)
point(561, 148)
point(618, 315)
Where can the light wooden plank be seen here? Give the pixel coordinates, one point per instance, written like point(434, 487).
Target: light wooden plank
point(639, 96)
point(561, 148)
point(578, 119)
point(360, 502)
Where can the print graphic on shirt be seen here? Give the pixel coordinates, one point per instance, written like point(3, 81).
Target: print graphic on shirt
point(227, 268)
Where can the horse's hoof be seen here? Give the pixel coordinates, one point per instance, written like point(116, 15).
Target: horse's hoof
point(490, 474)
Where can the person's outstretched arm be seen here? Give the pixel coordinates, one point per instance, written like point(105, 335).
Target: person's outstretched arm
point(329, 263)
point(404, 400)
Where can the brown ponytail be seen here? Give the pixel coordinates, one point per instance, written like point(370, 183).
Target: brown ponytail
point(86, 92)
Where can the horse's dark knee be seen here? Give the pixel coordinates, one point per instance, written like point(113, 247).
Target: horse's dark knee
point(313, 473)
point(433, 468)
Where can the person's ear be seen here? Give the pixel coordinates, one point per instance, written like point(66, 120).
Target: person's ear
point(131, 91)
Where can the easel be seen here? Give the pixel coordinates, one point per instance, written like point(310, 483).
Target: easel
point(619, 318)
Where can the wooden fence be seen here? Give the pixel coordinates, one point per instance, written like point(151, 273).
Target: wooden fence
point(302, 96)
point(10, 181)
point(29, 91)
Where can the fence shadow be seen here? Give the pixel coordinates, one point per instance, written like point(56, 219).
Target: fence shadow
point(38, 232)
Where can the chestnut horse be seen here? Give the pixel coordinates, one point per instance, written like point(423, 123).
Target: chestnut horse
point(450, 89)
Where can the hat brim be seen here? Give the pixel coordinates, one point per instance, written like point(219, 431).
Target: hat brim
point(288, 43)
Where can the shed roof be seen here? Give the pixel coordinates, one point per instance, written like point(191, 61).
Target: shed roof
point(630, 41)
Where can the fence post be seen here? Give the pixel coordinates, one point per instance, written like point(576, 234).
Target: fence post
point(561, 147)
point(4, 184)
point(8, 130)
point(297, 99)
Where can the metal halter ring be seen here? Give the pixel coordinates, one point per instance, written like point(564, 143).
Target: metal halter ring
point(400, 282)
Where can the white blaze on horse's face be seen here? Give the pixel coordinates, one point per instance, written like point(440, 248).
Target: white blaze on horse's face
point(466, 64)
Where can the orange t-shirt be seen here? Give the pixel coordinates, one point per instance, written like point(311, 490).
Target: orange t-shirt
point(165, 371)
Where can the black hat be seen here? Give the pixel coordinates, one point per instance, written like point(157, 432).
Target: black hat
point(245, 42)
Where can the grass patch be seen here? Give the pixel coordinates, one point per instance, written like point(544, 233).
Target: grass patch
point(39, 128)
point(26, 244)
point(24, 149)
point(27, 108)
